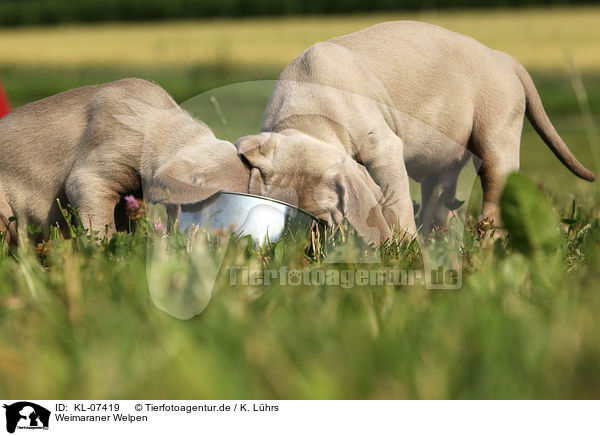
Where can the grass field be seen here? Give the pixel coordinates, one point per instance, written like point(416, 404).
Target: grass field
point(77, 320)
point(273, 43)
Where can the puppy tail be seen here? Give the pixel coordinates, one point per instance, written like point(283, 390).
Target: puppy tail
point(543, 126)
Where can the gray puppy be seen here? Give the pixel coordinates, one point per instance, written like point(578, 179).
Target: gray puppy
point(401, 99)
point(90, 146)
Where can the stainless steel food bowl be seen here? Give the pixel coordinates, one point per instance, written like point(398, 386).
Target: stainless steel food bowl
point(264, 219)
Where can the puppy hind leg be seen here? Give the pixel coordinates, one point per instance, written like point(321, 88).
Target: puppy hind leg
point(438, 194)
point(493, 173)
point(497, 143)
point(448, 201)
point(430, 197)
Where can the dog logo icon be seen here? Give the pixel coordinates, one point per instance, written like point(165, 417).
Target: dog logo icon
point(26, 415)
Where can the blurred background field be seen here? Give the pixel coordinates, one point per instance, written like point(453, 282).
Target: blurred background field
point(76, 320)
point(537, 37)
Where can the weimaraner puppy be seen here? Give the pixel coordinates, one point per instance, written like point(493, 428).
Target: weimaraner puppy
point(90, 146)
point(401, 99)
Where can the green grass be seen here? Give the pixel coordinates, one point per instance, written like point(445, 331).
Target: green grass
point(77, 321)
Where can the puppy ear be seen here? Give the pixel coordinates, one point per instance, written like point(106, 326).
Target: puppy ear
point(256, 184)
point(193, 175)
point(258, 149)
point(361, 206)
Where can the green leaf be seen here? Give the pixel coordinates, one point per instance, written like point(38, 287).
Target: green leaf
point(528, 217)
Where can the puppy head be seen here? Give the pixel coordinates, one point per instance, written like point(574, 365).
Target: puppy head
point(316, 177)
point(198, 171)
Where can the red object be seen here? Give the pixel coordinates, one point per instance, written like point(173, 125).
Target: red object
point(4, 106)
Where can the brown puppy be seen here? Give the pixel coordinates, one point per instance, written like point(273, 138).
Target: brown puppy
point(403, 99)
point(92, 145)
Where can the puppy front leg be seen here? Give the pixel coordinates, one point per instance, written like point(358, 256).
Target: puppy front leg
point(383, 156)
point(95, 200)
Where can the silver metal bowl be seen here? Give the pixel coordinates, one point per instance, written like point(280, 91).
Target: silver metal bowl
point(264, 219)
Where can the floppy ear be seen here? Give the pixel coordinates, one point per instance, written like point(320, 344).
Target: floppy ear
point(256, 183)
point(258, 149)
point(194, 175)
point(357, 192)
